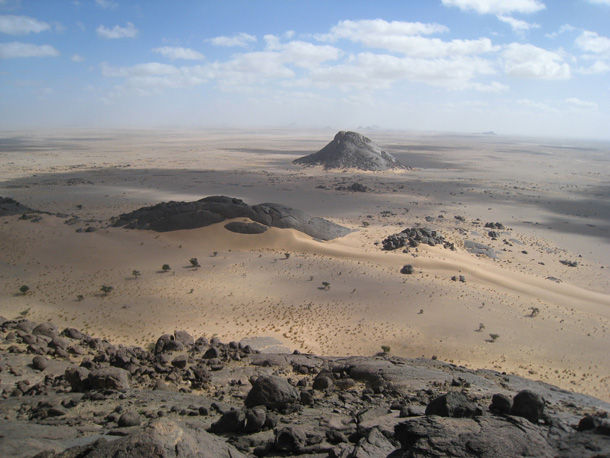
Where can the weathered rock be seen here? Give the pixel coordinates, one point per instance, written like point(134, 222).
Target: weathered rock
point(109, 378)
point(452, 404)
point(232, 421)
point(273, 392)
point(500, 403)
point(180, 362)
point(129, 419)
point(184, 338)
point(407, 269)
point(351, 150)
point(170, 216)
point(78, 378)
point(246, 228)
point(482, 437)
point(528, 404)
point(290, 439)
point(45, 329)
point(40, 363)
point(255, 419)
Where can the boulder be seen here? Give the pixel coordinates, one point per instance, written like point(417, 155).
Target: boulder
point(452, 404)
point(46, 329)
point(407, 269)
point(500, 403)
point(40, 363)
point(481, 437)
point(231, 422)
point(273, 392)
point(528, 404)
point(109, 378)
point(129, 419)
point(289, 439)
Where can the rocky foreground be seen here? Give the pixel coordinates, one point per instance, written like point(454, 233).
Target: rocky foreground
point(67, 394)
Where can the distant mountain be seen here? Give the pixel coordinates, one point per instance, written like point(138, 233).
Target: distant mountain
point(351, 150)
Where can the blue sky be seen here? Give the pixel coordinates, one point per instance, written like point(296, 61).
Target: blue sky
point(529, 67)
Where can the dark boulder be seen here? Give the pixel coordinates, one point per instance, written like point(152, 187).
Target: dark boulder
point(109, 378)
point(290, 439)
point(273, 392)
point(129, 419)
point(255, 419)
point(407, 269)
point(40, 363)
point(452, 404)
point(231, 422)
point(184, 338)
point(481, 437)
point(500, 403)
point(528, 404)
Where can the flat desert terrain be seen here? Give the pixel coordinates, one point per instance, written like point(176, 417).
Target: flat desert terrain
point(551, 321)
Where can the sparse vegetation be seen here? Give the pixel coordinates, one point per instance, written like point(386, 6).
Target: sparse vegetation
point(326, 285)
point(385, 348)
point(136, 273)
point(106, 289)
point(215, 254)
point(481, 327)
point(534, 312)
point(287, 255)
point(165, 267)
point(24, 289)
point(494, 337)
point(194, 262)
point(80, 298)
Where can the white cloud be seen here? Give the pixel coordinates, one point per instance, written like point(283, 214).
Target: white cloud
point(128, 31)
point(77, 58)
point(493, 87)
point(405, 38)
point(564, 28)
point(592, 42)
point(529, 61)
point(241, 40)
point(176, 52)
point(150, 78)
point(17, 49)
point(106, 4)
point(301, 53)
point(497, 6)
point(364, 30)
point(21, 25)
point(517, 24)
point(375, 71)
point(581, 104)
point(600, 2)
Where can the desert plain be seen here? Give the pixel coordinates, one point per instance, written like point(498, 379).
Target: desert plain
point(550, 319)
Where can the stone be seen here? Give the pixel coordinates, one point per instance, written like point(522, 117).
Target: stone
point(40, 363)
point(230, 422)
point(255, 419)
point(528, 404)
point(184, 338)
point(407, 269)
point(273, 392)
point(323, 382)
point(500, 403)
point(109, 378)
point(78, 378)
point(481, 437)
point(129, 419)
point(46, 329)
point(290, 439)
point(180, 362)
point(452, 404)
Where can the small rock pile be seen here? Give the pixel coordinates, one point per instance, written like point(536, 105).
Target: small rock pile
point(412, 237)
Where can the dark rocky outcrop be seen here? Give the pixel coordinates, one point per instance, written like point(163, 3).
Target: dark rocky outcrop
point(172, 216)
point(206, 398)
point(245, 228)
point(412, 237)
point(351, 150)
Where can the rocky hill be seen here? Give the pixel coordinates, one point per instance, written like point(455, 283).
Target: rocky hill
point(351, 150)
point(171, 216)
point(68, 394)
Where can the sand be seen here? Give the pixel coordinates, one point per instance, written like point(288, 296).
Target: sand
point(551, 195)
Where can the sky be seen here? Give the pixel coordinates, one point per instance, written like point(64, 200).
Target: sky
point(524, 67)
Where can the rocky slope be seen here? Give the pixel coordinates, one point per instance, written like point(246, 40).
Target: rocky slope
point(171, 216)
point(351, 150)
point(67, 394)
